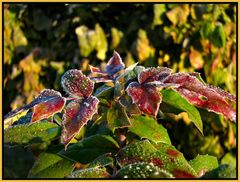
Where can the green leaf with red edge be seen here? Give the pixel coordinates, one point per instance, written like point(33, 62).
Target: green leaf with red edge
point(143, 170)
point(76, 84)
point(161, 155)
point(203, 163)
point(76, 114)
point(154, 74)
point(99, 172)
point(117, 116)
point(53, 103)
point(174, 99)
point(209, 97)
point(146, 97)
point(147, 127)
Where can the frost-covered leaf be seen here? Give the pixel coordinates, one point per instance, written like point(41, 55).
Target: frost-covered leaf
point(154, 74)
point(147, 127)
point(76, 114)
point(146, 97)
point(117, 116)
point(75, 83)
point(50, 165)
point(47, 98)
point(133, 73)
point(102, 161)
point(90, 173)
point(126, 71)
point(161, 155)
point(203, 96)
point(31, 133)
point(174, 99)
point(143, 170)
point(115, 64)
point(204, 163)
point(88, 149)
point(46, 109)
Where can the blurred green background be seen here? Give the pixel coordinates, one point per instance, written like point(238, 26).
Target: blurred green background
point(42, 41)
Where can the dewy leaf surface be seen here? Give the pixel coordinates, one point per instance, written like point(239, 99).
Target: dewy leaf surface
point(204, 163)
point(143, 170)
point(90, 148)
point(75, 83)
point(90, 173)
point(202, 95)
point(146, 97)
point(115, 64)
point(147, 127)
point(161, 155)
point(174, 99)
point(76, 114)
point(31, 133)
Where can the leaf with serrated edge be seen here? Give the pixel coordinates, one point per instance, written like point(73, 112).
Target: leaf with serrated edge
point(146, 97)
point(75, 83)
point(76, 114)
point(204, 96)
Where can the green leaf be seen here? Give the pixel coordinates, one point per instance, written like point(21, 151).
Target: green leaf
point(90, 148)
point(229, 159)
point(207, 30)
point(104, 91)
point(143, 170)
point(218, 37)
point(102, 161)
point(223, 171)
point(173, 98)
point(50, 165)
point(204, 163)
point(90, 173)
point(147, 127)
point(134, 73)
point(161, 155)
point(31, 133)
point(117, 117)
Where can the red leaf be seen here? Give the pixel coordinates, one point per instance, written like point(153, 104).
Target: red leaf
point(146, 97)
point(115, 64)
point(154, 74)
point(46, 104)
point(53, 103)
point(76, 114)
point(75, 83)
point(94, 69)
point(204, 96)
